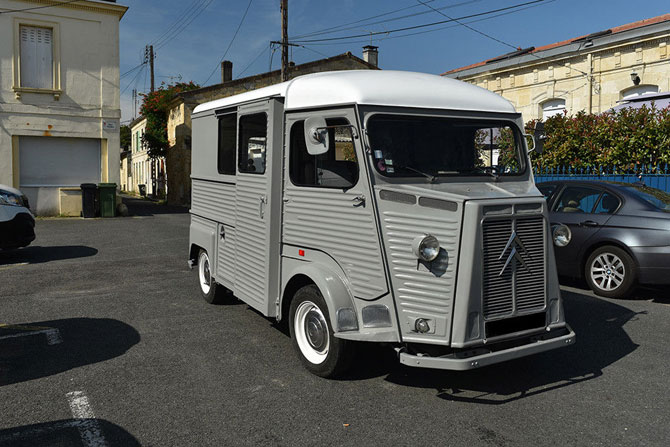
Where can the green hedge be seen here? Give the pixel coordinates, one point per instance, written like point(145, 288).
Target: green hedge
point(626, 138)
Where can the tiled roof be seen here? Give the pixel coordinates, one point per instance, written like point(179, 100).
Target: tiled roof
point(615, 30)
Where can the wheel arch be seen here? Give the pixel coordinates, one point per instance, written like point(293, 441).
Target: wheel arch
point(335, 292)
point(604, 243)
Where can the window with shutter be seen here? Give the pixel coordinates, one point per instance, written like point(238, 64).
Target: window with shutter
point(36, 57)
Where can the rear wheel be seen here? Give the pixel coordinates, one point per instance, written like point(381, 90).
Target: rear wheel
point(610, 272)
point(209, 289)
point(319, 350)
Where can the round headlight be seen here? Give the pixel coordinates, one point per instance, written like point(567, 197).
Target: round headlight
point(426, 248)
point(561, 235)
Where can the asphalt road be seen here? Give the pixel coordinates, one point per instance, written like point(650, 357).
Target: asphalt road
point(109, 343)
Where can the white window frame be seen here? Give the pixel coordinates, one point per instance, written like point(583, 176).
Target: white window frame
point(553, 109)
point(634, 92)
point(56, 90)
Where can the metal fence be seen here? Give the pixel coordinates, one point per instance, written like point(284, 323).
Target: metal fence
point(654, 176)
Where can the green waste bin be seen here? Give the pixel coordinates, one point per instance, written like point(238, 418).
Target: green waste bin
point(107, 199)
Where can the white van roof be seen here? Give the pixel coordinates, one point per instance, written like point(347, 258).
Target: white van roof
point(373, 87)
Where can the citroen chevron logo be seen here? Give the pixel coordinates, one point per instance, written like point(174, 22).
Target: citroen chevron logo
point(517, 249)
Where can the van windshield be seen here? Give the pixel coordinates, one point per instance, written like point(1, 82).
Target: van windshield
point(411, 146)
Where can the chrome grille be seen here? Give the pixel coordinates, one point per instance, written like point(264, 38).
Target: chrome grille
point(519, 286)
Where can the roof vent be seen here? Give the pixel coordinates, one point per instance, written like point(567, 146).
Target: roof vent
point(593, 35)
point(516, 53)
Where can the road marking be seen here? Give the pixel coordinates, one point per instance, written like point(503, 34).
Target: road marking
point(7, 267)
point(52, 334)
point(88, 426)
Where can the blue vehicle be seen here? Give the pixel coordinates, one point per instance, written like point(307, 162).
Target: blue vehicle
point(613, 235)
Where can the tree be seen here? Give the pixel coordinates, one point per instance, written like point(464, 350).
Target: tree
point(155, 109)
point(126, 138)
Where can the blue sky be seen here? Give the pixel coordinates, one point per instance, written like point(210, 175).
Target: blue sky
point(194, 51)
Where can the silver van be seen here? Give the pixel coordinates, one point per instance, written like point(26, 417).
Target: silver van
point(377, 206)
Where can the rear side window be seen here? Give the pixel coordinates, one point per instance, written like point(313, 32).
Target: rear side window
point(226, 150)
point(253, 143)
point(337, 168)
point(577, 199)
point(608, 204)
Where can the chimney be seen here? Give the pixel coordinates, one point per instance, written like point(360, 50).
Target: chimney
point(371, 55)
point(226, 71)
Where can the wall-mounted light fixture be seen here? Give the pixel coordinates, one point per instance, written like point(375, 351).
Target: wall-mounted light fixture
point(635, 78)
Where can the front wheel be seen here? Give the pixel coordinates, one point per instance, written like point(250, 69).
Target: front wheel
point(610, 272)
point(209, 289)
point(319, 350)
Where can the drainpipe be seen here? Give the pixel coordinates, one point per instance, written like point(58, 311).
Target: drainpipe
point(589, 60)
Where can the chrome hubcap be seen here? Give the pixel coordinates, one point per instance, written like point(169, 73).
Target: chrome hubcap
point(311, 332)
point(203, 273)
point(608, 271)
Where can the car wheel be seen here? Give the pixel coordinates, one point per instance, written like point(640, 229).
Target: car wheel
point(610, 272)
point(312, 334)
point(209, 289)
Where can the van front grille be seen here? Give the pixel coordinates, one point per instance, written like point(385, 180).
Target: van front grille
point(514, 266)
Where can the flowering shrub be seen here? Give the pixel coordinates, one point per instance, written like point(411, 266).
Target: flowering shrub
point(626, 138)
point(155, 109)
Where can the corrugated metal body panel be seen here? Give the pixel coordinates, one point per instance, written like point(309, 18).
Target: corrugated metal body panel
point(225, 266)
point(515, 288)
point(251, 237)
point(327, 220)
point(422, 290)
point(214, 200)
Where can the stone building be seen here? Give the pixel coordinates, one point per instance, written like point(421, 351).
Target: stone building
point(59, 99)
point(590, 73)
point(178, 160)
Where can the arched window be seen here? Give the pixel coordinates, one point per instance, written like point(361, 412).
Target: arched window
point(552, 107)
point(638, 90)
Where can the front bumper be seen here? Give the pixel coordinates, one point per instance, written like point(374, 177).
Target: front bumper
point(18, 232)
point(476, 358)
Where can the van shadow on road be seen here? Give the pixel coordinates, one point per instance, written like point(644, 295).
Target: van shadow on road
point(38, 254)
point(35, 350)
point(65, 433)
point(601, 341)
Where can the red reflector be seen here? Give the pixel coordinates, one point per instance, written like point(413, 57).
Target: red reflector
point(301, 252)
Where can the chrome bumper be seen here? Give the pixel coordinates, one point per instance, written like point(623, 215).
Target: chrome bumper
point(476, 359)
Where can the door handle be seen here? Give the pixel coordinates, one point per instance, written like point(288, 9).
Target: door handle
point(262, 200)
point(222, 233)
point(359, 200)
point(589, 223)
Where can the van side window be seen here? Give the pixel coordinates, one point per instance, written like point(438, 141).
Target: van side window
point(253, 143)
point(337, 168)
point(226, 152)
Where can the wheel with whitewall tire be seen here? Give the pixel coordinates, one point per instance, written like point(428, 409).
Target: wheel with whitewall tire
point(610, 272)
point(312, 334)
point(209, 289)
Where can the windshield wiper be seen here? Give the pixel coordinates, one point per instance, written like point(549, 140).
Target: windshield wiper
point(489, 170)
point(431, 178)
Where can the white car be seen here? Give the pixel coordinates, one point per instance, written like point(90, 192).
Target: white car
point(17, 224)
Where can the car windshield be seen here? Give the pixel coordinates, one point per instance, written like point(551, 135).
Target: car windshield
point(655, 197)
point(411, 146)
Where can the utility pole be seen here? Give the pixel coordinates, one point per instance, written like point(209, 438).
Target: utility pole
point(284, 40)
point(149, 56)
point(134, 103)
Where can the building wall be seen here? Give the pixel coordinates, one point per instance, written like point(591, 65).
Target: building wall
point(140, 164)
point(530, 85)
point(179, 118)
point(84, 102)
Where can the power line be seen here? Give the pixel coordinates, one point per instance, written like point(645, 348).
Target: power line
point(263, 50)
point(184, 25)
point(38, 7)
point(231, 42)
point(345, 27)
point(408, 28)
point(177, 21)
point(131, 70)
point(134, 79)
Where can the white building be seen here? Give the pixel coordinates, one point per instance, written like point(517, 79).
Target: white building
point(142, 169)
point(59, 99)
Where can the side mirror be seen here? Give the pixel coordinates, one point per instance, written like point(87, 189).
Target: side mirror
point(316, 135)
point(538, 137)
